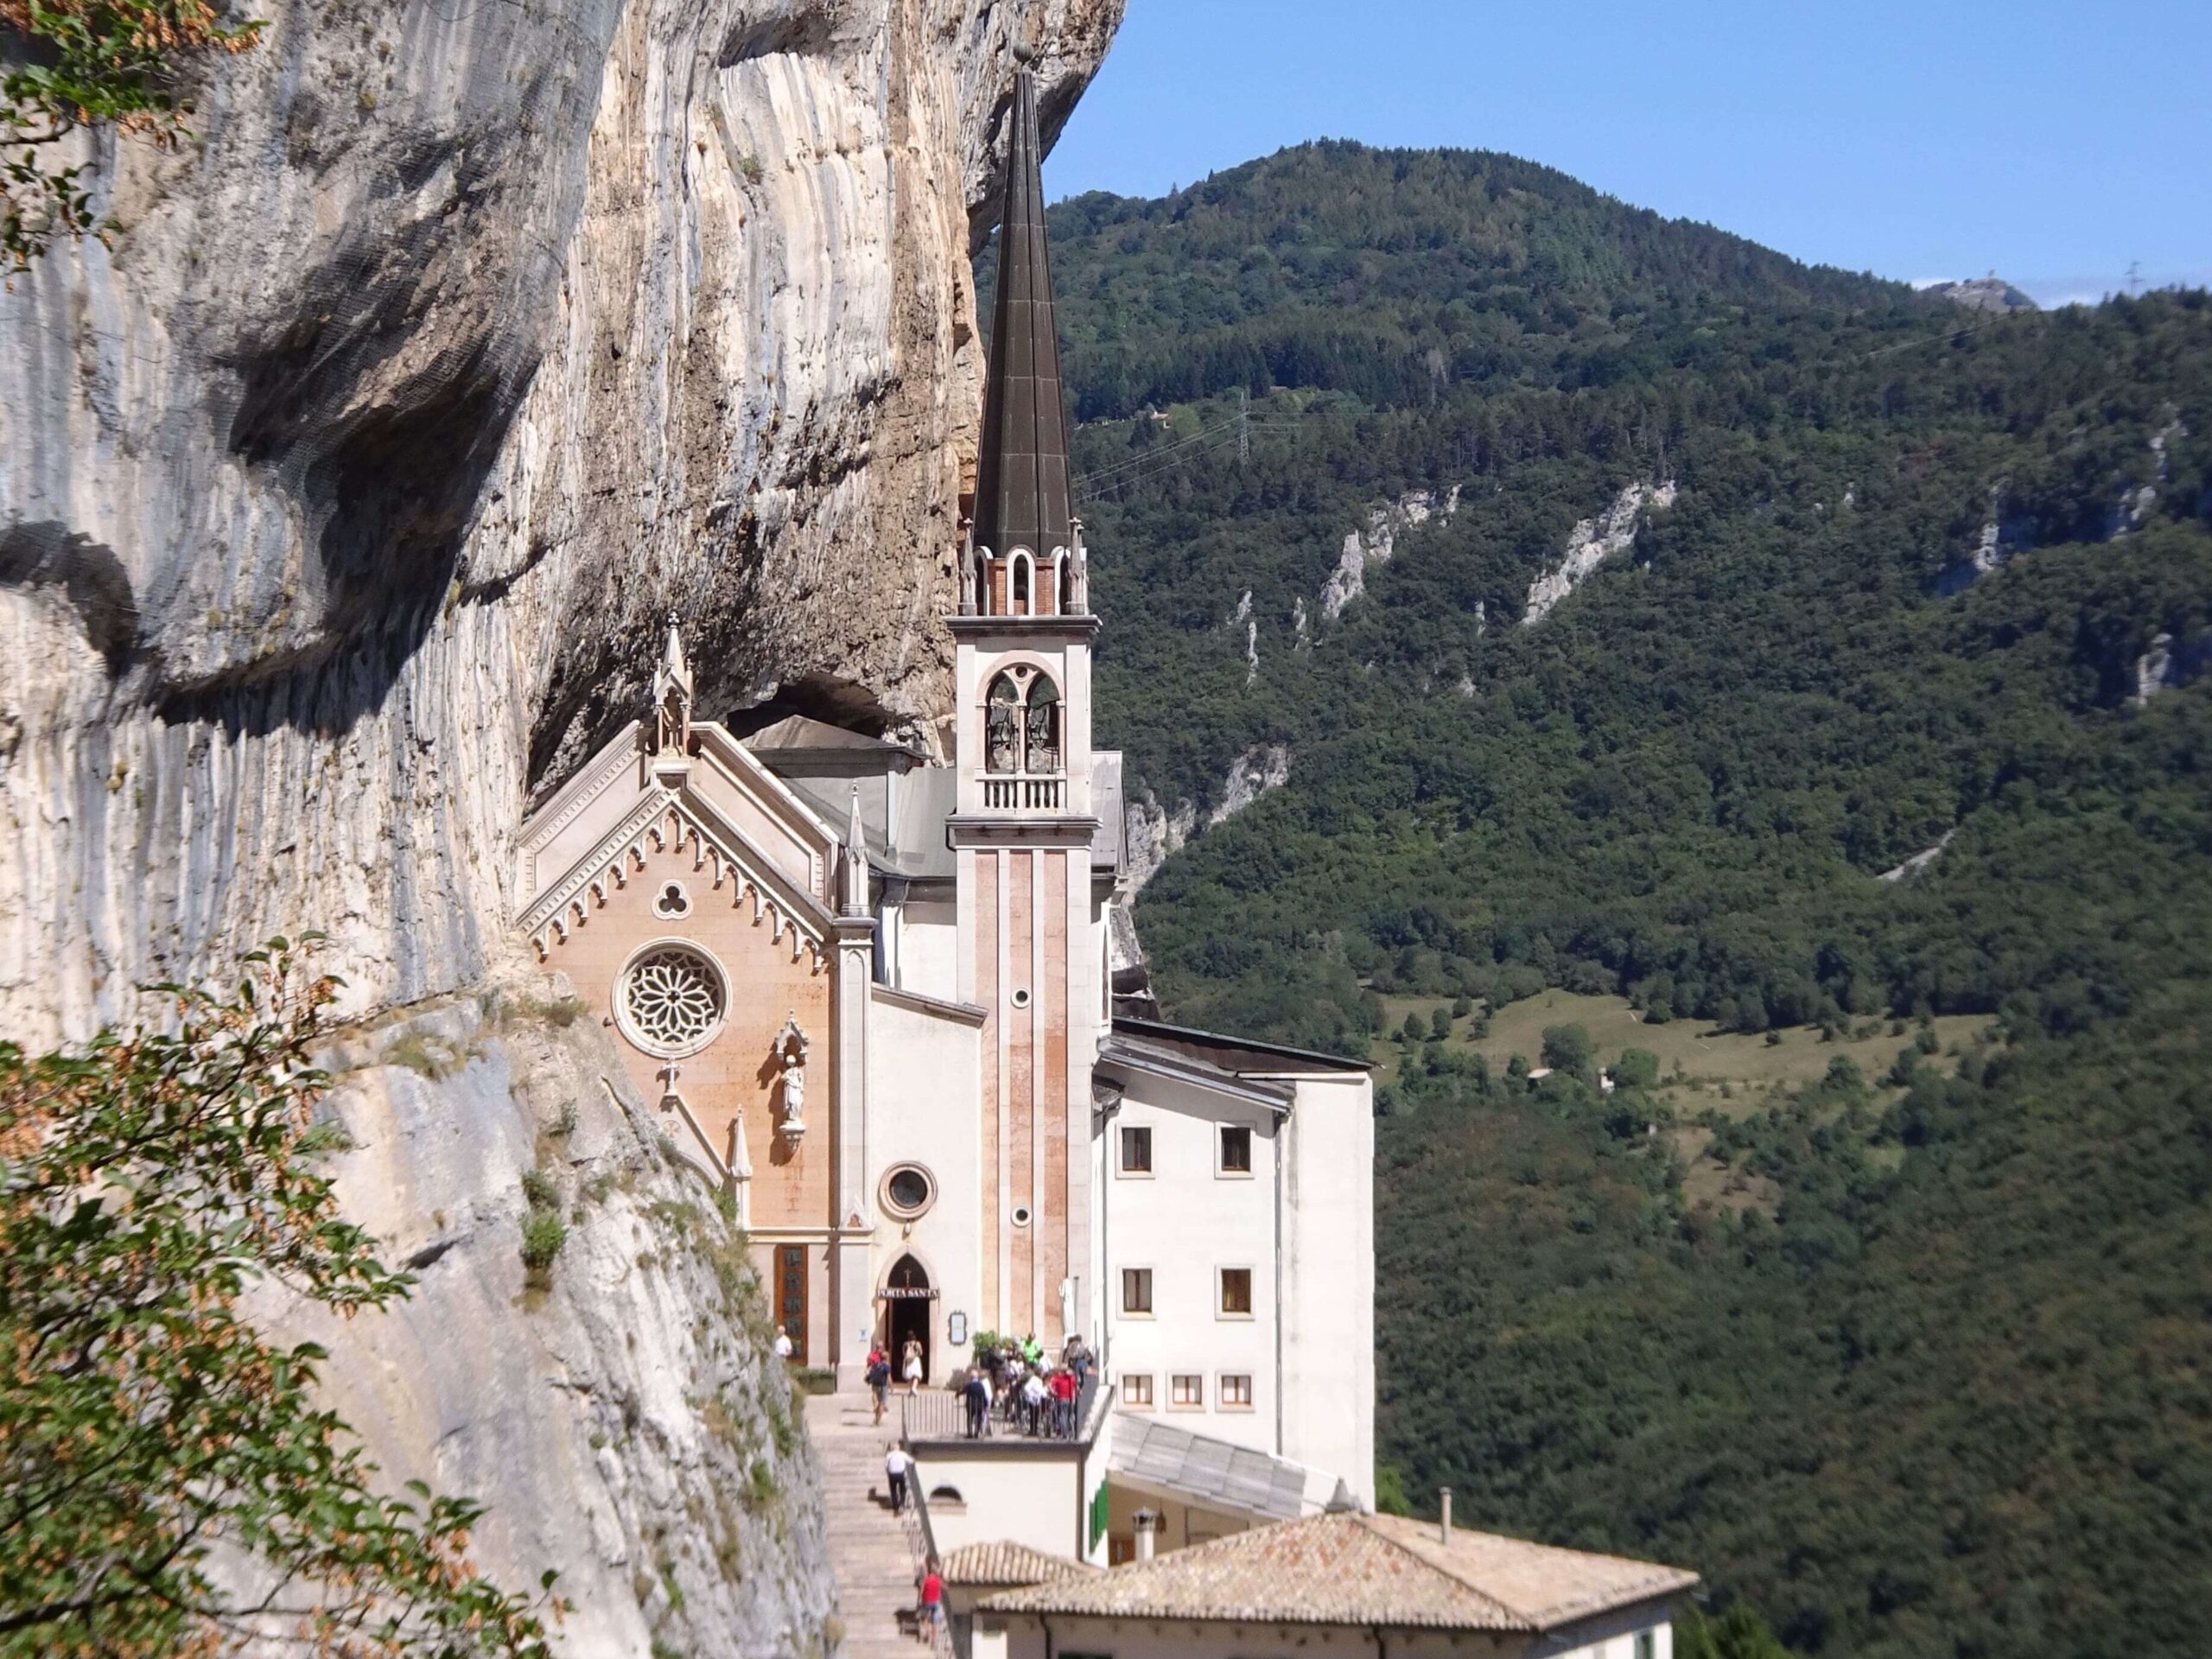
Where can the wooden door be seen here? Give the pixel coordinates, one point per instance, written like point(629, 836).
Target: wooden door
point(791, 1297)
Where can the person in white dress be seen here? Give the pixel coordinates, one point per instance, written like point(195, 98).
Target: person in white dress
point(910, 1366)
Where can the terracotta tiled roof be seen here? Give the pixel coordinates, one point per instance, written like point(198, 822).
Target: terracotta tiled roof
point(1545, 1585)
point(1006, 1563)
point(1360, 1569)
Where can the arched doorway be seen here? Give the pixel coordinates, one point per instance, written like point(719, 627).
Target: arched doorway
point(907, 1295)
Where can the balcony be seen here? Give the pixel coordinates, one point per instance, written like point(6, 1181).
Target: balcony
point(1023, 792)
point(940, 1417)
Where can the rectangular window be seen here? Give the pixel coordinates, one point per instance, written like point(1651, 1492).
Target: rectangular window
point(1236, 1292)
point(1136, 1291)
point(1136, 1389)
point(1646, 1645)
point(1235, 1391)
point(1187, 1389)
point(1136, 1151)
point(1235, 1151)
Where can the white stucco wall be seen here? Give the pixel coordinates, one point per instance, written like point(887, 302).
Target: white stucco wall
point(1033, 1500)
point(1185, 1222)
point(924, 1082)
point(1328, 1280)
point(929, 948)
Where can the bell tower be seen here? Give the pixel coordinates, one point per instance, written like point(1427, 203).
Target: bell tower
point(1023, 825)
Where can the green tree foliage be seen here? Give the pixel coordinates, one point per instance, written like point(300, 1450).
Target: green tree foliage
point(145, 1425)
point(1739, 1633)
point(1932, 1382)
point(70, 65)
point(1637, 1068)
point(1568, 1048)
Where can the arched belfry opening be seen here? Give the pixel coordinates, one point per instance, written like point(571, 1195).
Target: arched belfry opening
point(907, 1295)
point(1021, 723)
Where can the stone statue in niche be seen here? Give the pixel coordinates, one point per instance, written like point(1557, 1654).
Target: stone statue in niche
point(790, 1057)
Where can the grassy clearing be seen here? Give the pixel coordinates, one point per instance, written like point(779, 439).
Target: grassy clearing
point(1704, 1069)
point(1694, 1057)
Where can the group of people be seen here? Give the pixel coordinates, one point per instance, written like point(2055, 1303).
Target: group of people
point(1011, 1382)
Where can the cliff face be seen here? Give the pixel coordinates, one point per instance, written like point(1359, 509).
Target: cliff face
point(622, 1414)
point(337, 500)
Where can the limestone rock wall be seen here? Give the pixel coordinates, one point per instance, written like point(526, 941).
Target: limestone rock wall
point(624, 1418)
point(1593, 542)
point(1155, 832)
point(337, 498)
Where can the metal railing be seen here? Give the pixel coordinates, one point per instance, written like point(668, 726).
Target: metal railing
point(942, 1415)
point(921, 1538)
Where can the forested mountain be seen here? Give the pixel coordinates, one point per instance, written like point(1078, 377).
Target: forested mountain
point(1863, 577)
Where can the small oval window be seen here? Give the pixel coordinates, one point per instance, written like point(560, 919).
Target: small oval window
point(1020, 999)
point(1021, 1215)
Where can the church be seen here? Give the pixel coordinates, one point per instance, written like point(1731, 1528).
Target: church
point(872, 996)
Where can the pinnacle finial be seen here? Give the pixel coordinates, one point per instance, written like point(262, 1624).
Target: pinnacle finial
point(856, 894)
point(672, 693)
point(1024, 51)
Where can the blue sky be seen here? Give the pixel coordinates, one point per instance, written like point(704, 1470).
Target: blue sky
point(2053, 143)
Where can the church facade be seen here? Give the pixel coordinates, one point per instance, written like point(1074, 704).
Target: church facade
point(872, 996)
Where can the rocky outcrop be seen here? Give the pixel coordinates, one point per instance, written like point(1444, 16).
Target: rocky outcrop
point(1990, 293)
point(2133, 508)
point(1155, 832)
point(1593, 542)
point(2169, 664)
point(1252, 775)
point(337, 500)
point(623, 1415)
point(1243, 614)
point(1919, 861)
point(1375, 543)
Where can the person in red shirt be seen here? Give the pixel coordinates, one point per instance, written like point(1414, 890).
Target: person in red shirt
point(933, 1596)
point(1062, 1386)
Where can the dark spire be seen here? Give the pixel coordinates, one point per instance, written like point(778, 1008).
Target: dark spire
point(1021, 473)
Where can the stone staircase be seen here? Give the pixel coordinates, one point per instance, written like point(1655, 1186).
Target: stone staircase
point(875, 1554)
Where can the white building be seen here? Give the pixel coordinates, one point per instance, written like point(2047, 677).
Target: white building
point(873, 997)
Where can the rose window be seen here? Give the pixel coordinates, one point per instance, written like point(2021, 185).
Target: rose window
point(671, 1001)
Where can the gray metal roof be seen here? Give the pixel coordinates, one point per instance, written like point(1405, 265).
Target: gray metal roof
point(1209, 1472)
point(1238, 1054)
point(1120, 1049)
point(903, 807)
point(916, 848)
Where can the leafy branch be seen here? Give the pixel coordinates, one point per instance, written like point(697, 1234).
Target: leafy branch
point(167, 1483)
point(74, 64)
